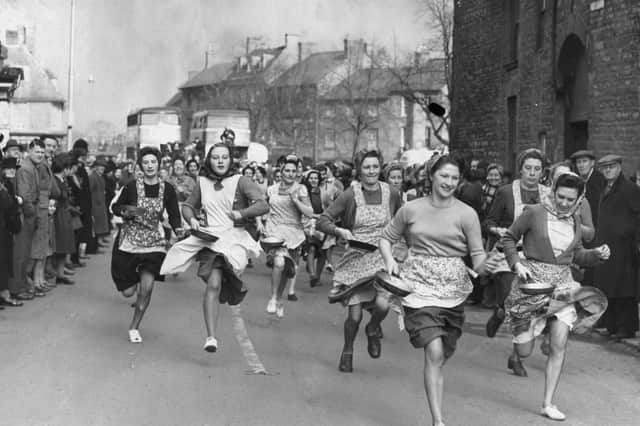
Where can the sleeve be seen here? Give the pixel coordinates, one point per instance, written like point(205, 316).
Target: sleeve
point(256, 198)
point(337, 209)
point(171, 206)
point(27, 191)
point(125, 198)
point(634, 206)
point(397, 227)
point(395, 201)
point(519, 228)
point(584, 257)
point(473, 233)
point(11, 211)
point(586, 227)
point(193, 204)
point(495, 213)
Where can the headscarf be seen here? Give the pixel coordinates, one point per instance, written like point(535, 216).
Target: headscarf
point(547, 199)
point(207, 170)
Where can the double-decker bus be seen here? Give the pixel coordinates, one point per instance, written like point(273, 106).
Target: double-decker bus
point(208, 125)
point(153, 126)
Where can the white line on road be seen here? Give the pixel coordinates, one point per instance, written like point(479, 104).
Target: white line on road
point(249, 352)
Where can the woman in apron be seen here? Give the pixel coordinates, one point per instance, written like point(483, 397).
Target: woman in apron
point(507, 206)
point(228, 201)
point(440, 230)
point(364, 209)
point(288, 202)
point(316, 255)
point(140, 247)
point(552, 241)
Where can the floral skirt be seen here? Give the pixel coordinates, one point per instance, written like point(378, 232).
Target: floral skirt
point(291, 259)
point(355, 266)
point(578, 307)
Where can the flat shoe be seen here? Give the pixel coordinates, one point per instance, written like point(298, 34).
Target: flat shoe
point(374, 347)
point(292, 297)
point(552, 412)
point(515, 364)
point(346, 363)
point(65, 281)
point(38, 293)
point(23, 296)
point(495, 322)
point(211, 345)
point(10, 302)
point(134, 336)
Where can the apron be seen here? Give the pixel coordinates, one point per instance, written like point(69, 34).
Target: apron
point(369, 223)
point(145, 231)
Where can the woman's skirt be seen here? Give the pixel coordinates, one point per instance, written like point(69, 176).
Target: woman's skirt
point(126, 267)
point(578, 307)
point(431, 322)
point(294, 239)
point(291, 259)
point(230, 253)
point(358, 268)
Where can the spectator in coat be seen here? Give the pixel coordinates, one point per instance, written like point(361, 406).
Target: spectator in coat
point(81, 200)
point(9, 226)
point(619, 228)
point(98, 201)
point(65, 242)
point(595, 182)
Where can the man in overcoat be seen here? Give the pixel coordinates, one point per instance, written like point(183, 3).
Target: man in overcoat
point(619, 228)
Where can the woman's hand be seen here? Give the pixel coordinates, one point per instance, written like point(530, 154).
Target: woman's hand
point(235, 215)
point(345, 234)
point(259, 226)
point(522, 272)
point(391, 266)
point(604, 252)
point(499, 231)
point(194, 224)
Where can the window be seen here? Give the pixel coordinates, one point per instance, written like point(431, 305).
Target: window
point(330, 139)
point(11, 37)
point(512, 32)
point(372, 138)
point(402, 141)
point(403, 107)
point(512, 129)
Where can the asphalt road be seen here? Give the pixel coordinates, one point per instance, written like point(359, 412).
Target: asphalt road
point(66, 361)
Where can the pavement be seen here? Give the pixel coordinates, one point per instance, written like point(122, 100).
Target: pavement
point(66, 361)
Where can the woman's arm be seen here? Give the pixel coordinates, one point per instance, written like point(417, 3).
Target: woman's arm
point(172, 207)
point(300, 198)
point(494, 216)
point(394, 230)
point(124, 199)
point(511, 237)
point(191, 206)
point(337, 209)
point(586, 226)
point(473, 234)
point(256, 197)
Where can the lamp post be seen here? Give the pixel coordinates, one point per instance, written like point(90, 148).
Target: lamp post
point(70, 77)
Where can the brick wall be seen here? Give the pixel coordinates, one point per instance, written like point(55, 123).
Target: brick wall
point(482, 83)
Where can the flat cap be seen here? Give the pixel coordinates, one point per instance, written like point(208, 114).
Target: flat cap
point(100, 162)
point(583, 153)
point(11, 143)
point(609, 159)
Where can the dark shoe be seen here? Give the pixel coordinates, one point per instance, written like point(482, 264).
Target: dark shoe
point(65, 281)
point(10, 302)
point(495, 322)
point(292, 297)
point(69, 271)
point(43, 288)
point(346, 363)
point(79, 265)
point(624, 335)
point(374, 346)
point(25, 295)
point(515, 364)
point(313, 282)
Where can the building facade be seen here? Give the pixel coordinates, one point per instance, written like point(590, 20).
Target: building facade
point(557, 75)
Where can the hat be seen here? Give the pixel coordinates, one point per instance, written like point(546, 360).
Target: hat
point(583, 153)
point(11, 143)
point(100, 162)
point(610, 159)
point(81, 144)
point(9, 163)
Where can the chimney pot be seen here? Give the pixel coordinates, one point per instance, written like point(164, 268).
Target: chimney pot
point(299, 51)
point(247, 46)
point(346, 46)
point(286, 39)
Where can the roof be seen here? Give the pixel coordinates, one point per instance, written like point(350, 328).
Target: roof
point(311, 70)
point(212, 75)
point(175, 100)
point(376, 83)
point(39, 83)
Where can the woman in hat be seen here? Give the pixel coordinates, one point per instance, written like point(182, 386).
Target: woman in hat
point(507, 206)
point(316, 255)
point(81, 200)
point(193, 168)
point(140, 246)
point(441, 231)
point(552, 239)
point(228, 200)
point(10, 225)
point(363, 210)
point(288, 202)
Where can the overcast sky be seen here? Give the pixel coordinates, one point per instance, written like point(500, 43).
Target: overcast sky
point(139, 51)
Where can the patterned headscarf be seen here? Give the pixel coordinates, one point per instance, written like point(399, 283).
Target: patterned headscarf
point(208, 172)
point(547, 199)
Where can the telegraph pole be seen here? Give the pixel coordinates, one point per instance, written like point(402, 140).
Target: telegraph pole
point(70, 77)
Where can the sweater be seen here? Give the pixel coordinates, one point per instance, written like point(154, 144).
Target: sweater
point(452, 231)
point(532, 227)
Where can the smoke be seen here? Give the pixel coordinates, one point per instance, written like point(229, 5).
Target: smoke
point(140, 51)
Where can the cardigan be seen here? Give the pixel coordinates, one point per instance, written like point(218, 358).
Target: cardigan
point(344, 207)
point(249, 201)
point(532, 227)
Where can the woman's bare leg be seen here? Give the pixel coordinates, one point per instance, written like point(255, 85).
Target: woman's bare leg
point(145, 288)
point(434, 360)
point(210, 304)
point(558, 333)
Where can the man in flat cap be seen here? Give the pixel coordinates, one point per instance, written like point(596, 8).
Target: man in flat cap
point(594, 182)
point(12, 150)
point(98, 205)
point(619, 228)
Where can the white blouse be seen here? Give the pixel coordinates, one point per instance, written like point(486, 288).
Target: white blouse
point(561, 233)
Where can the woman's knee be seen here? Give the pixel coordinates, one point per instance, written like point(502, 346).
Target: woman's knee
point(215, 280)
point(434, 353)
point(278, 262)
point(523, 350)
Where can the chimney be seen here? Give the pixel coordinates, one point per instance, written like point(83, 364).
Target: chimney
point(192, 74)
point(299, 51)
point(286, 39)
point(346, 45)
point(247, 46)
point(416, 59)
point(364, 47)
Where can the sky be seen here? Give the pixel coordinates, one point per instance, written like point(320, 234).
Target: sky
point(135, 53)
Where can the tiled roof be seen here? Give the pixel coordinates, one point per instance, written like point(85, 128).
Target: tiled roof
point(39, 83)
point(311, 70)
point(212, 75)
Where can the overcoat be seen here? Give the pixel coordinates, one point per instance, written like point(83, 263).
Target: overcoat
point(9, 225)
point(65, 241)
point(98, 204)
point(619, 228)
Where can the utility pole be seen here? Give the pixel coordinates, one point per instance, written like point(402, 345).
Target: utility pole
point(70, 77)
